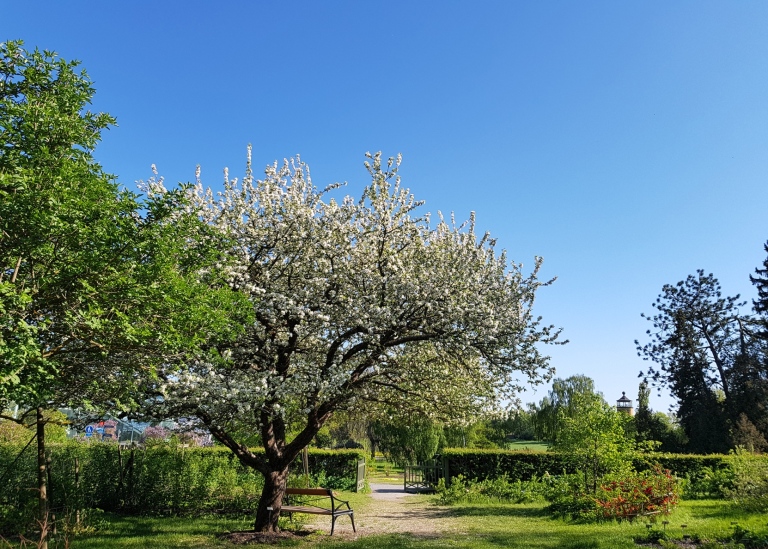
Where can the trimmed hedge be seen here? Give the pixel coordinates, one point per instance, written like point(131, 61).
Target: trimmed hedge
point(151, 480)
point(491, 464)
point(684, 465)
point(522, 465)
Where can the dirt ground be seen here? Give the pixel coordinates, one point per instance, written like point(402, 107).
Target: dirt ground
point(394, 511)
point(390, 511)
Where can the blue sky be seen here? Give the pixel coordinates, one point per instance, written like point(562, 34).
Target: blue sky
point(625, 142)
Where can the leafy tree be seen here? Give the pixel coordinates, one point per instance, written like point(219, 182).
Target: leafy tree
point(96, 287)
point(408, 440)
point(563, 401)
point(355, 302)
point(643, 414)
point(517, 424)
point(747, 436)
point(594, 438)
point(655, 427)
point(702, 347)
point(480, 433)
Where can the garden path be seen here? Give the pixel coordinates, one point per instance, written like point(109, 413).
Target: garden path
point(393, 511)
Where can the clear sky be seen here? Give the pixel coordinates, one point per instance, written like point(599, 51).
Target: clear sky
point(625, 142)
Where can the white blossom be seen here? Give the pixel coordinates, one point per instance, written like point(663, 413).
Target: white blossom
point(358, 298)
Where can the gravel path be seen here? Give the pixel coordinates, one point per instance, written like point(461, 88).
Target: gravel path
point(393, 511)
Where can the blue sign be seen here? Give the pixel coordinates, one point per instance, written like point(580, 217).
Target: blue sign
point(100, 430)
point(89, 431)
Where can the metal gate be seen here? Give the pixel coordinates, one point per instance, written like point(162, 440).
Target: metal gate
point(360, 484)
point(423, 477)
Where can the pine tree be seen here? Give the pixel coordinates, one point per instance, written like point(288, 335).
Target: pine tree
point(760, 280)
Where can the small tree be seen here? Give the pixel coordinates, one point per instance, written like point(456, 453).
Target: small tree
point(356, 304)
point(596, 441)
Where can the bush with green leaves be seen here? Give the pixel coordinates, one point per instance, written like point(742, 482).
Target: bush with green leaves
point(498, 490)
point(624, 496)
point(707, 483)
point(749, 485)
point(515, 464)
point(640, 494)
point(159, 479)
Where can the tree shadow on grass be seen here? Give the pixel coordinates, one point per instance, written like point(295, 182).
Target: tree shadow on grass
point(513, 540)
point(125, 531)
point(709, 509)
point(499, 511)
point(542, 540)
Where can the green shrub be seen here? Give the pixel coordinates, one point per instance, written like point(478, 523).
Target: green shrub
point(157, 480)
point(638, 494)
point(623, 497)
point(748, 539)
point(704, 476)
point(708, 483)
point(498, 490)
point(514, 464)
point(749, 485)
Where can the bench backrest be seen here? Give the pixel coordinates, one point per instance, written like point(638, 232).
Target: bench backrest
point(309, 492)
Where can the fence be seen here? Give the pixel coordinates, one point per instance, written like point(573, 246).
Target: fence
point(424, 476)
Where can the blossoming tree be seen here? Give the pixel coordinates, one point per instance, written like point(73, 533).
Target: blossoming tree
point(354, 302)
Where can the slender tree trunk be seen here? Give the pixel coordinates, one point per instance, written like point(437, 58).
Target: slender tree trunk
point(41, 481)
point(77, 491)
point(271, 501)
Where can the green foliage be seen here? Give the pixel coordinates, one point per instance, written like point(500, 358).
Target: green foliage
point(410, 440)
point(743, 537)
point(14, 433)
point(702, 476)
point(712, 358)
point(156, 480)
point(749, 486)
point(97, 287)
point(335, 469)
point(655, 428)
point(653, 536)
point(760, 280)
point(498, 490)
point(519, 424)
point(563, 401)
point(595, 440)
point(624, 496)
point(707, 483)
point(515, 464)
point(638, 494)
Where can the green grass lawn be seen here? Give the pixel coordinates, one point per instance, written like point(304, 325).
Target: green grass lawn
point(532, 445)
point(479, 527)
point(385, 471)
point(529, 527)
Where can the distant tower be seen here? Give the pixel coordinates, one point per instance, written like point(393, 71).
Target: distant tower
point(624, 405)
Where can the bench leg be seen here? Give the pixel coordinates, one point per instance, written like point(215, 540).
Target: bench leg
point(333, 522)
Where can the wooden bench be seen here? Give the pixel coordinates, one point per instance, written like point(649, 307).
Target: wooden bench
point(315, 501)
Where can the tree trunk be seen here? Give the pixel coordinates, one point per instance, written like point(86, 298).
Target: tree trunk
point(41, 481)
point(271, 501)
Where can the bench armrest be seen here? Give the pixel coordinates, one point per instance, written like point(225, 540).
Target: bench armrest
point(337, 502)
